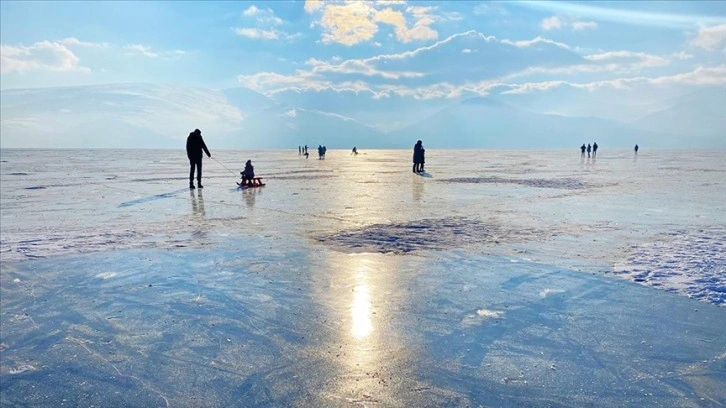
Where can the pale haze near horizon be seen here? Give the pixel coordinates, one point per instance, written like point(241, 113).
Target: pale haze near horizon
point(281, 74)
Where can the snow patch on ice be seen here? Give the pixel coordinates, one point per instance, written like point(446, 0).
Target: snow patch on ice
point(691, 263)
point(547, 291)
point(106, 275)
point(426, 234)
point(561, 183)
point(478, 318)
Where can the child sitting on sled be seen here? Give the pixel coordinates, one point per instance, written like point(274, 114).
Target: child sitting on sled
point(248, 174)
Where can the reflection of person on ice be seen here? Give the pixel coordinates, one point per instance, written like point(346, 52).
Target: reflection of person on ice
point(195, 146)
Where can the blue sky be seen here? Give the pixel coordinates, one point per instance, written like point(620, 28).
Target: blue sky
point(383, 63)
point(223, 44)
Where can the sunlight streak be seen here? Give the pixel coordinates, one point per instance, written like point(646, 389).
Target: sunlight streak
point(361, 312)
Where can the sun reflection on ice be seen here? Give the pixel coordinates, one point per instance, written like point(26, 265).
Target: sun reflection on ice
point(361, 312)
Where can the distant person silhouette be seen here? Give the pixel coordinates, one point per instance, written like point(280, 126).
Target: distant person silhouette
point(195, 146)
point(325, 150)
point(299, 150)
point(589, 149)
point(594, 150)
point(305, 149)
point(355, 150)
point(636, 149)
point(320, 152)
point(582, 148)
point(418, 157)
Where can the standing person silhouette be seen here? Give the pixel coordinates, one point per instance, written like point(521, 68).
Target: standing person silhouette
point(195, 146)
point(589, 149)
point(594, 150)
point(636, 149)
point(418, 157)
point(582, 148)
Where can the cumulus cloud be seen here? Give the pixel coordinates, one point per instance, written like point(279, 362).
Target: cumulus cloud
point(710, 38)
point(40, 56)
point(551, 23)
point(557, 22)
point(353, 22)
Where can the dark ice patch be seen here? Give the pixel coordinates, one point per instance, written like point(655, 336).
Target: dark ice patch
point(18, 174)
point(427, 234)
point(35, 188)
point(563, 183)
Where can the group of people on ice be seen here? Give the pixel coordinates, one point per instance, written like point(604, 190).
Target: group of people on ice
point(590, 148)
point(196, 146)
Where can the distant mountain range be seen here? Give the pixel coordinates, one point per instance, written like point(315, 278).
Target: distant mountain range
point(161, 116)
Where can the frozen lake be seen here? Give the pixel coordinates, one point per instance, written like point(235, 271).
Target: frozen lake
point(524, 278)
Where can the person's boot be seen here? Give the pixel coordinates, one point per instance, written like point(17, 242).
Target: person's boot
point(191, 185)
point(199, 184)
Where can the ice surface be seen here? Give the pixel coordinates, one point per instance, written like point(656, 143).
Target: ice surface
point(350, 281)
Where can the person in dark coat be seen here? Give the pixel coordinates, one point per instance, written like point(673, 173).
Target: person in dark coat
point(249, 173)
point(195, 146)
point(582, 149)
point(418, 157)
point(589, 149)
point(594, 150)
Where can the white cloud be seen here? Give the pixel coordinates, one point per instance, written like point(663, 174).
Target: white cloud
point(583, 25)
point(313, 5)
point(358, 66)
point(146, 51)
point(41, 56)
point(536, 41)
point(551, 23)
point(348, 24)
point(258, 33)
point(557, 22)
point(681, 55)
point(72, 41)
point(141, 49)
point(710, 38)
point(394, 75)
point(262, 34)
point(353, 22)
point(265, 25)
point(700, 76)
point(291, 113)
point(251, 11)
point(264, 17)
point(643, 60)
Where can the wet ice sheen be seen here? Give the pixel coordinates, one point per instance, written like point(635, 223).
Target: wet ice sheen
point(351, 282)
